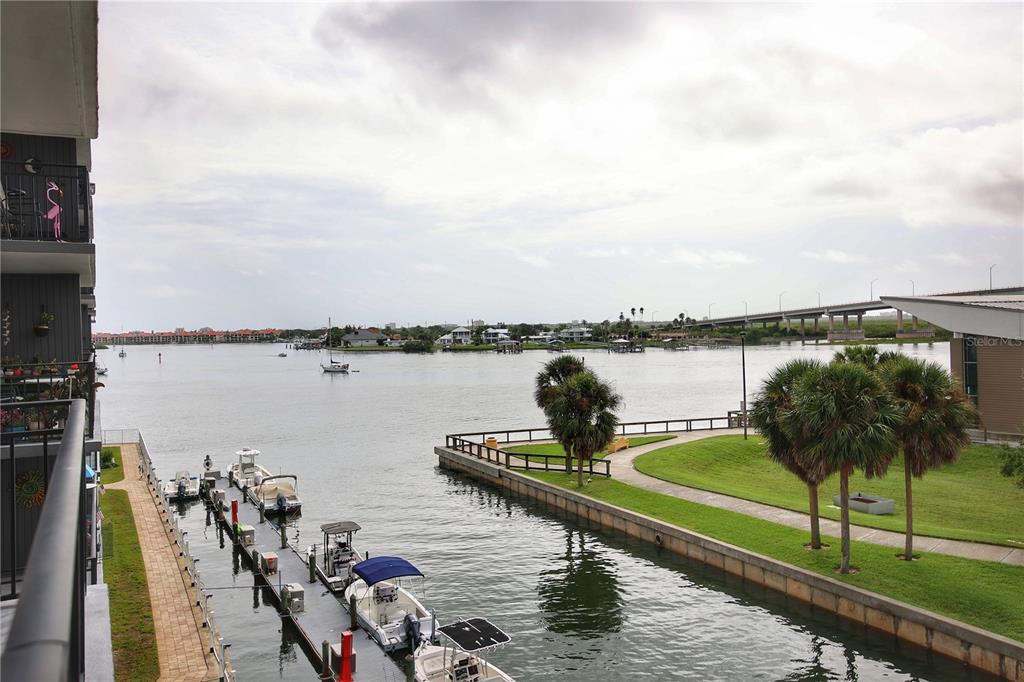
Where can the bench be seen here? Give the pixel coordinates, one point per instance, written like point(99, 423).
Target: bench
point(620, 443)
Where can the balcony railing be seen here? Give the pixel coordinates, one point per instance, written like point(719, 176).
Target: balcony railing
point(23, 385)
point(45, 202)
point(46, 640)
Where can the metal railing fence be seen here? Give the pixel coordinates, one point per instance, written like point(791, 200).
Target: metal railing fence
point(49, 203)
point(47, 637)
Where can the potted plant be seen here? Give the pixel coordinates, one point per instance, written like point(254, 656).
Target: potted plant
point(42, 327)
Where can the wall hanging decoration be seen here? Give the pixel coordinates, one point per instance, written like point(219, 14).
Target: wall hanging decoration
point(42, 327)
point(6, 326)
point(29, 489)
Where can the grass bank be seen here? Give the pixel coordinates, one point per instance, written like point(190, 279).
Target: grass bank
point(131, 614)
point(981, 593)
point(968, 500)
point(557, 450)
point(111, 469)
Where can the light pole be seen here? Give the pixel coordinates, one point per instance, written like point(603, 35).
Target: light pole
point(990, 275)
point(780, 300)
point(743, 360)
point(709, 310)
point(819, 298)
point(871, 286)
point(746, 314)
point(911, 287)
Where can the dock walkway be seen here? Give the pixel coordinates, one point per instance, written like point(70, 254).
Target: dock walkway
point(324, 618)
point(179, 641)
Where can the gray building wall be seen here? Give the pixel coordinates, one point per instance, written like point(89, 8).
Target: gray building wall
point(26, 296)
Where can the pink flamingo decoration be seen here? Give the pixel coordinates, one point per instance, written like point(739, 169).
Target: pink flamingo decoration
point(54, 212)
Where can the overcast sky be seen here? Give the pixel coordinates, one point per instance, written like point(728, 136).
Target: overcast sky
point(270, 165)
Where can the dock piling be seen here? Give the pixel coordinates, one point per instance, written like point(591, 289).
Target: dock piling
point(352, 612)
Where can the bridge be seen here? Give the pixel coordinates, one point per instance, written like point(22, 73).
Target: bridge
point(832, 311)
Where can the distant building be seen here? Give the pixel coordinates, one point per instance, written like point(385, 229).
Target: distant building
point(543, 337)
point(986, 353)
point(494, 335)
point(364, 337)
point(461, 336)
point(575, 334)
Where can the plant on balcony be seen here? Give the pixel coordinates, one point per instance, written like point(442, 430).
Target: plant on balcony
point(42, 327)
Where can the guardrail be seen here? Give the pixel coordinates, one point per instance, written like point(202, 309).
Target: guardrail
point(45, 202)
point(519, 460)
point(196, 588)
point(731, 421)
point(23, 383)
point(47, 637)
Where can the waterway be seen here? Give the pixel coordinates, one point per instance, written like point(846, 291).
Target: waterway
point(581, 604)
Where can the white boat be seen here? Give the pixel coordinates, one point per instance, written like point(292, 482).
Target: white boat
point(337, 555)
point(282, 355)
point(387, 611)
point(276, 494)
point(246, 472)
point(183, 487)
point(332, 366)
point(458, 658)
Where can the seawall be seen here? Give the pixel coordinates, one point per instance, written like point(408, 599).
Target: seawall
point(975, 647)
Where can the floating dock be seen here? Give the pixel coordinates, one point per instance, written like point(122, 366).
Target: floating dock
point(323, 618)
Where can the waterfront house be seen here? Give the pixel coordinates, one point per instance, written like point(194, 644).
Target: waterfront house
point(575, 334)
point(461, 336)
point(48, 118)
point(495, 335)
point(986, 353)
point(364, 337)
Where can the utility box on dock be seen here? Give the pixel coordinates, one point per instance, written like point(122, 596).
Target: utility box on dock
point(246, 535)
point(336, 658)
point(293, 597)
point(268, 561)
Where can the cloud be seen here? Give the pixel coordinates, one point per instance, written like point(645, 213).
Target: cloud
point(432, 268)
point(704, 258)
point(167, 291)
point(833, 256)
point(950, 258)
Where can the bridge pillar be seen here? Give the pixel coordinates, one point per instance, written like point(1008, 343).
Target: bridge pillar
point(816, 324)
point(846, 322)
point(860, 320)
point(831, 322)
point(899, 320)
point(789, 325)
point(764, 324)
point(913, 323)
point(803, 330)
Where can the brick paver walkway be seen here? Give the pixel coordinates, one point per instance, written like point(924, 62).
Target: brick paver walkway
point(622, 470)
point(179, 634)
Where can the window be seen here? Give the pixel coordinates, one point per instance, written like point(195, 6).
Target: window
point(971, 367)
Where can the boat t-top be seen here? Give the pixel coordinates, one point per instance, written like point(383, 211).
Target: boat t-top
point(337, 555)
point(246, 472)
point(458, 659)
point(183, 487)
point(276, 494)
point(386, 610)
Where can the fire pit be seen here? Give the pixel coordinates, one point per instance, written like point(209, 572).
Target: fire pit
point(869, 504)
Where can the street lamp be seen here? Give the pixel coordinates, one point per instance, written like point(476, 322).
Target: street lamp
point(871, 297)
point(780, 300)
point(746, 314)
point(709, 310)
point(911, 287)
point(743, 360)
point(819, 298)
point(990, 275)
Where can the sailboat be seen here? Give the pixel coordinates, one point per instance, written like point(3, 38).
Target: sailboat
point(333, 366)
point(122, 352)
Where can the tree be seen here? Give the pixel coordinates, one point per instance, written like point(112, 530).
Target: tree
point(1012, 456)
point(867, 356)
point(581, 411)
point(641, 312)
point(766, 415)
point(846, 420)
point(621, 317)
point(935, 419)
point(551, 377)
point(632, 313)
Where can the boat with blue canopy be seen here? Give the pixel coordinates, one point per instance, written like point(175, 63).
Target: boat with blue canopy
point(385, 609)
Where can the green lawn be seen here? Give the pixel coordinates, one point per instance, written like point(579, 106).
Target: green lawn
point(115, 473)
point(558, 450)
point(968, 500)
point(131, 615)
point(977, 592)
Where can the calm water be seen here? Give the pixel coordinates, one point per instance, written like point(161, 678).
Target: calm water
point(581, 603)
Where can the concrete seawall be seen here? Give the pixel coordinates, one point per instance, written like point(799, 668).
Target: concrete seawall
point(981, 649)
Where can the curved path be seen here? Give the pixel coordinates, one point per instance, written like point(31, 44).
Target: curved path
point(622, 470)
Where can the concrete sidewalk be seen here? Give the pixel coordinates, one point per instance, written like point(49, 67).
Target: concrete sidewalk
point(622, 470)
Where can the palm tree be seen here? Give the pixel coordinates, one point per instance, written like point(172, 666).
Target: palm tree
point(641, 312)
point(846, 420)
point(786, 449)
point(581, 411)
point(868, 356)
point(551, 377)
point(936, 416)
point(632, 313)
point(621, 317)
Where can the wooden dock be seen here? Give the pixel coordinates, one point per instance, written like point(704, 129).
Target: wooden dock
point(323, 618)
